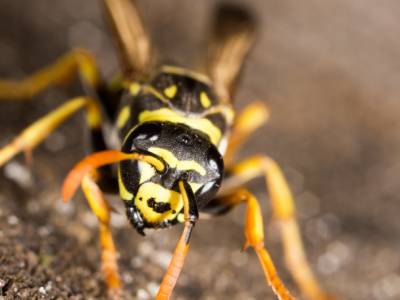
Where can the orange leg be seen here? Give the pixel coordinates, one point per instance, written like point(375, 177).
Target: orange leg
point(284, 212)
point(77, 61)
point(100, 159)
point(101, 209)
point(250, 118)
point(42, 128)
point(181, 249)
point(254, 233)
point(85, 173)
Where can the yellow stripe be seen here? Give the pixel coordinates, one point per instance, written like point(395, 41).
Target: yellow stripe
point(146, 171)
point(134, 88)
point(170, 91)
point(205, 100)
point(123, 192)
point(185, 72)
point(165, 114)
point(183, 165)
point(195, 186)
point(123, 116)
point(149, 89)
point(181, 218)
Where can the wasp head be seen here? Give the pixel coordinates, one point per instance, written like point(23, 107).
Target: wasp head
point(152, 197)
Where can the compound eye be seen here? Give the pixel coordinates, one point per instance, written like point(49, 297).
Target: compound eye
point(144, 134)
point(214, 160)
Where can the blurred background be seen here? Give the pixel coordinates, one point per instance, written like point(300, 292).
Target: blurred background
point(330, 73)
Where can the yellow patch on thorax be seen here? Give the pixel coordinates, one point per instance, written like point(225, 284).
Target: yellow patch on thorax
point(134, 88)
point(205, 100)
point(172, 161)
point(165, 114)
point(170, 91)
point(123, 116)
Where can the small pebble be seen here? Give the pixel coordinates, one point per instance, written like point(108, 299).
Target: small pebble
point(141, 294)
point(55, 142)
point(127, 278)
point(145, 248)
point(137, 262)
point(162, 258)
point(44, 231)
point(118, 220)
point(42, 290)
point(12, 220)
point(152, 287)
point(18, 173)
point(49, 286)
point(3, 283)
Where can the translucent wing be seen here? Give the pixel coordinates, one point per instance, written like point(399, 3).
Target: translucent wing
point(232, 36)
point(131, 36)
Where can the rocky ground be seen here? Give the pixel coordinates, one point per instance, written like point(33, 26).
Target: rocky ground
point(329, 72)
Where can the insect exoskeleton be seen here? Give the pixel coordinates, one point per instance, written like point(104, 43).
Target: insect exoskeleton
point(153, 198)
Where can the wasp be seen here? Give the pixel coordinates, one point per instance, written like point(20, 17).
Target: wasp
point(178, 134)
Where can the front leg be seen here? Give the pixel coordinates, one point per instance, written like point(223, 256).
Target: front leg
point(254, 233)
point(284, 212)
point(101, 209)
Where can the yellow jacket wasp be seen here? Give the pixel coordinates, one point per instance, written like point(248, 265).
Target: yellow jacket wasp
point(178, 134)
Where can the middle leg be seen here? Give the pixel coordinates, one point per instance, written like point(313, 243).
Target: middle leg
point(284, 212)
point(42, 128)
point(254, 233)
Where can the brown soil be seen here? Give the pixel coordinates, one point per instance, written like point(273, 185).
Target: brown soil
point(329, 72)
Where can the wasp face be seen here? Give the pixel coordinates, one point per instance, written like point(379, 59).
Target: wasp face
point(153, 198)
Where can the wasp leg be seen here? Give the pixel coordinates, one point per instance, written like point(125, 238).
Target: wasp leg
point(181, 249)
point(100, 208)
point(254, 233)
point(63, 70)
point(284, 212)
point(250, 118)
point(39, 130)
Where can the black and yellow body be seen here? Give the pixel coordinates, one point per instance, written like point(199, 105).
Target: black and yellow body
point(178, 138)
point(176, 117)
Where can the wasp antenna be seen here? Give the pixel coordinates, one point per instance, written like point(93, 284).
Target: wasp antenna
point(96, 160)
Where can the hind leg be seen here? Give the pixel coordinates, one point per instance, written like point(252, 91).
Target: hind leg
point(63, 70)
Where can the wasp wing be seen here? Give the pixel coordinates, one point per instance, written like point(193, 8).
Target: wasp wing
point(131, 37)
point(232, 36)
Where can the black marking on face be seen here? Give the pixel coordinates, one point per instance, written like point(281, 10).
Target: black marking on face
point(159, 207)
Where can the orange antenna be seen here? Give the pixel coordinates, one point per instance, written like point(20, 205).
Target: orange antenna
point(99, 159)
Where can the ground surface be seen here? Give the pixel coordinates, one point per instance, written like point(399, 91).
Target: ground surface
point(329, 72)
